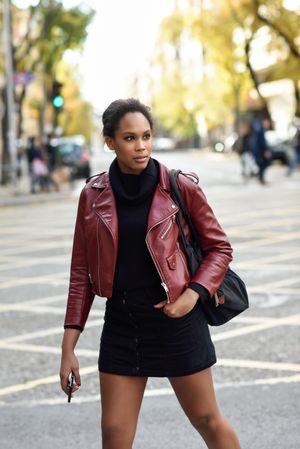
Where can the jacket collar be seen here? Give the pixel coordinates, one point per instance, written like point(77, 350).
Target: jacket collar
point(102, 180)
point(162, 204)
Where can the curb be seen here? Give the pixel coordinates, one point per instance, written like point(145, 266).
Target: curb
point(36, 198)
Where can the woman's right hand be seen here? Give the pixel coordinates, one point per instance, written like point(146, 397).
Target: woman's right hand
point(69, 364)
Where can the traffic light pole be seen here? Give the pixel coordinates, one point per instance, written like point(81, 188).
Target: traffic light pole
point(10, 132)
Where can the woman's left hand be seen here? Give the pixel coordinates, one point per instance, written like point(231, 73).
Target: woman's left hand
point(183, 305)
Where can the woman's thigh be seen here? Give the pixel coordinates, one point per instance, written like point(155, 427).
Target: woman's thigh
point(196, 395)
point(121, 399)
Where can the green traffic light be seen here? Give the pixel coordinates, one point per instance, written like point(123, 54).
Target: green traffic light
point(58, 101)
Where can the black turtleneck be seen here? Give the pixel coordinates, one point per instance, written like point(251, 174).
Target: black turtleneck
point(135, 267)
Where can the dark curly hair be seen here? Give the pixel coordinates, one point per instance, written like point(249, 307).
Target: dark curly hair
point(117, 109)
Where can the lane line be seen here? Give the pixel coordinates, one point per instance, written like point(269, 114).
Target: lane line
point(46, 300)
point(273, 259)
point(48, 278)
point(31, 262)
point(45, 332)
point(153, 392)
point(257, 364)
point(41, 381)
point(37, 246)
point(292, 319)
point(46, 349)
point(279, 283)
point(282, 238)
point(50, 310)
point(267, 267)
point(253, 364)
point(254, 328)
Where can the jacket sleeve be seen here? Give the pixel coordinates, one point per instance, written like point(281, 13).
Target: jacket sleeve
point(80, 296)
point(216, 249)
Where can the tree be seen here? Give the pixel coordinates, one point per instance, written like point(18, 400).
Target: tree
point(49, 30)
point(227, 30)
point(282, 26)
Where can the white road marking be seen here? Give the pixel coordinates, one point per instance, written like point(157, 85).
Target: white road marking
point(45, 349)
point(293, 319)
point(290, 320)
point(31, 262)
point(257, 364)
point(32, 302)
point(155, 392)
point(36, 246)
point(269, 285)
point(280, 238)
point(267, 267)
point(49, 278)
point(44, 333)
point(41, 381)
point(274, 258)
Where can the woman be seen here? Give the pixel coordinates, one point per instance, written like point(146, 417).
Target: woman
point(126, 249)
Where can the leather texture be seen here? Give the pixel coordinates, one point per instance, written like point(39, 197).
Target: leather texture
point(95, 243)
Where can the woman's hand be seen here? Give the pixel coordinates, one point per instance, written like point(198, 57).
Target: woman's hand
point(183, 305)
point(69, 364)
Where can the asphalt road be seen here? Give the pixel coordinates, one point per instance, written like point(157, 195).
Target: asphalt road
point(257, 376)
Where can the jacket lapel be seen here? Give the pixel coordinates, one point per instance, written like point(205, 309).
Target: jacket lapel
point(105, 205)
point(162, 207)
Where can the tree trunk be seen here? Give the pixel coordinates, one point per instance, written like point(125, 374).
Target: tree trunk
point(20, 100)
point(5, 158)
point(237, 110)
point(297, 98)
point(254, 78)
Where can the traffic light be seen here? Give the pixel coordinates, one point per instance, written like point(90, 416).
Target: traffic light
point(56, 97)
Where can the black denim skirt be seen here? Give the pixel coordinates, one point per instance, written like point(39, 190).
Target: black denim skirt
point(139, 340)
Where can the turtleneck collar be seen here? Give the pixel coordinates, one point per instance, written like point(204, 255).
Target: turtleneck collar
point(133, 189)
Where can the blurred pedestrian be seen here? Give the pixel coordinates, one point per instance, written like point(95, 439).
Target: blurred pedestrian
point(33, 152)
point(126, 249)
point(261, 152)
point(295, 159)
point(51, 152)
point(245, 148)
point(38, 171)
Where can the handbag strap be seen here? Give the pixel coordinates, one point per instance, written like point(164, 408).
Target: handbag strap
point(176, 195)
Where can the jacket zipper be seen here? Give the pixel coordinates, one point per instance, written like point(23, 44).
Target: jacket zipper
point(98, 252)
point(163, 283)
point(168, 227)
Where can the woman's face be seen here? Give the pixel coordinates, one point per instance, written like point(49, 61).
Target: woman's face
point(132, 143)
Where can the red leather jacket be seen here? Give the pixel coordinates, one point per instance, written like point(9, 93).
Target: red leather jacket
point(95, 243)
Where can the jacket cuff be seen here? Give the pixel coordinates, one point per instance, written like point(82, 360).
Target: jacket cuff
point(198, 288)
point(73, 326)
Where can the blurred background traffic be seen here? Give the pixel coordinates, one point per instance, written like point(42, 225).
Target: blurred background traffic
point(220, 76)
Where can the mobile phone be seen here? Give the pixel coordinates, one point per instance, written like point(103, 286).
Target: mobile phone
point(70, 385)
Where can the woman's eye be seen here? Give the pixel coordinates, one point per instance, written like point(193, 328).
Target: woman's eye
point(147, 136)
point(128, 138)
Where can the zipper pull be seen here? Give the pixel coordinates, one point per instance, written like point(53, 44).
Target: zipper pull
point(165, 287)
point(167, 291)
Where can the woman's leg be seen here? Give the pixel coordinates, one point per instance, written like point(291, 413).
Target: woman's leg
point(121, 398)
point(197, 398)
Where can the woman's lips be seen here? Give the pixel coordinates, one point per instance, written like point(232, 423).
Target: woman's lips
point(140, 158)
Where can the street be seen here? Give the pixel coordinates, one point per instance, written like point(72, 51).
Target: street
point(257, 376)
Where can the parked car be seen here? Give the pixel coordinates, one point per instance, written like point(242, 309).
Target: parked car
point(163, 144)
point(282, 150)
point(226, 144)
point(71, 152)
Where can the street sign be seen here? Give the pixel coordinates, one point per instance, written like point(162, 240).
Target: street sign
point(23, 78)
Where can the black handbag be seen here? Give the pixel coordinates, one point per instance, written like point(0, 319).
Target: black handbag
point(231, 297)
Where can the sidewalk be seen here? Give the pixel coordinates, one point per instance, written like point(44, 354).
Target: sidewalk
point(20, 194)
